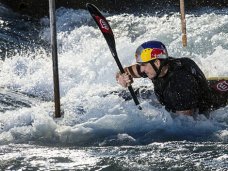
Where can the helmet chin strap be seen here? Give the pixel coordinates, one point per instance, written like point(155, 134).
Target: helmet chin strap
point(157, 70)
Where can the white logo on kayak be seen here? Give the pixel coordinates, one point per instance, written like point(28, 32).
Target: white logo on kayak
point(222, 86)
point(104, 25)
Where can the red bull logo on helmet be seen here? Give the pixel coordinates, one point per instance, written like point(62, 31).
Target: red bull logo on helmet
point(151, 50)
point(148, 54)
point(157, 53)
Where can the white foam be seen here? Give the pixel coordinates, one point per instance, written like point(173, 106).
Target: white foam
point(223, 157)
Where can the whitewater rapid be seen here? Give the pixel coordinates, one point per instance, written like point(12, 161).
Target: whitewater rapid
point(87, 72)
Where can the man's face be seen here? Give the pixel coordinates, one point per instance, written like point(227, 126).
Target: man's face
point(149, 70)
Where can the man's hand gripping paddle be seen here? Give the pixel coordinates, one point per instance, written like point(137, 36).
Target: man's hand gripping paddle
point(109, 37)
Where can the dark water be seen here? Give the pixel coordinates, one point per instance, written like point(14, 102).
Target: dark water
point(17, 33)
point(176, 155)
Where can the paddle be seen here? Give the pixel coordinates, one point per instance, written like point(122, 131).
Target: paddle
point(109, 37)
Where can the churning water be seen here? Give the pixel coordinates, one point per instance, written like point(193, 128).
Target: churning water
point(100, 130)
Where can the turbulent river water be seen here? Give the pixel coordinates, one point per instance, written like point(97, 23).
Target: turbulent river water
point(100, 130)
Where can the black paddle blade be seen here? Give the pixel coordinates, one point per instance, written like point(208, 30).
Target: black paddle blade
point(102, 24)
point(109, 37)
point(106, 31)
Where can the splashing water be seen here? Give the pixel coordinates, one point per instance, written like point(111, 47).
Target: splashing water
point(87, 72)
